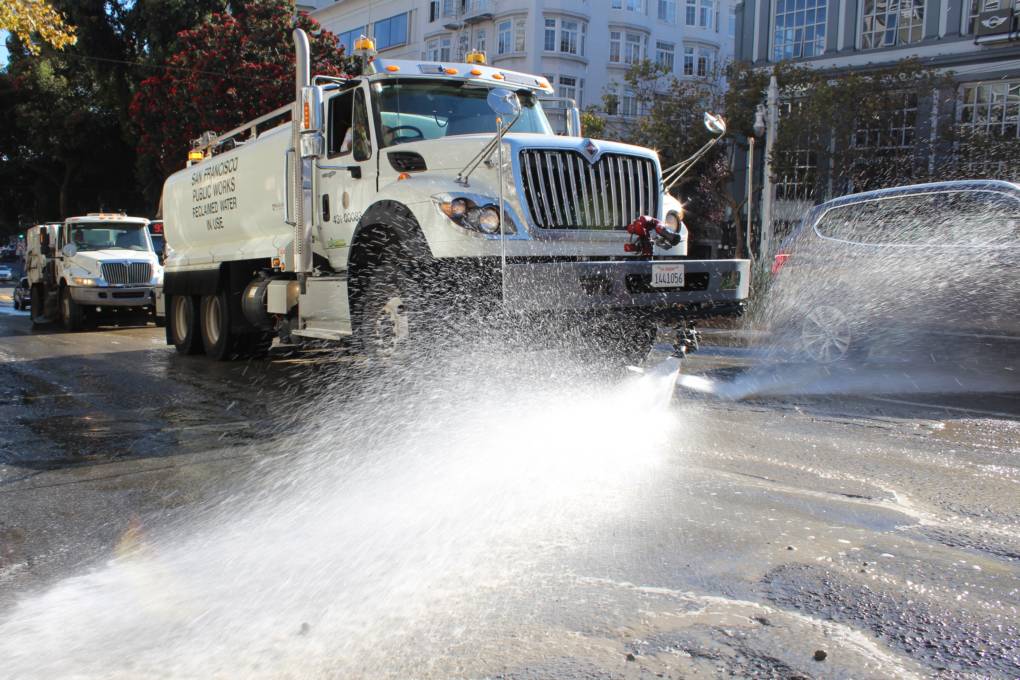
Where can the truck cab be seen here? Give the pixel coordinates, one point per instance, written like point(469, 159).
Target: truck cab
point(100, 261)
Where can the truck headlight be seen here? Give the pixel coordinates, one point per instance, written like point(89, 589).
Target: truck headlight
point(466, 213)
point(84, 281)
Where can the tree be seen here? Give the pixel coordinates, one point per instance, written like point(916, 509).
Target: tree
point(232, 68)
point(28, 18)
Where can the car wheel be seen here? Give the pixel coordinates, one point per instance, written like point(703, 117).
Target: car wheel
point(826, 335)
point(71, 313)
point(182, 325)
point(17, 305)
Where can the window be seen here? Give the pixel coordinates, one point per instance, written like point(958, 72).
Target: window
point(391, 32)
point(989, 120)
point(799, 29)
point(449, 8)
point(440, 108)
point(633, 47)
point(565, 35)
point(433, 10)
point(691, 12)
point(630, 5)
point(614, 46)
point(668, 10)
point(801, 183)
point(706, 62)
point(463, 45)
point(938, 217)
point(480, 40)
point(569, 33)
point(438, 49)
point(568, 87)
point(731, 22)
point(892, 22)
point(665, 54)
point(347, 38)
point(706, 13)
point(505, 32)
point(699, 61)
point(519, 26)
point(628, 104)
point(972, 16)
point(884, 144)
point(991, 108)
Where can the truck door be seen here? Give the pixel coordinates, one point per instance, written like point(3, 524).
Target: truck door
point(347, 178)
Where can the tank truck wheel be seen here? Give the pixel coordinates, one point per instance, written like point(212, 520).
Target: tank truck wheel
point(383, 330)
point(220, 343)
point(182, 324)
point(71, 313)
point(38, 306)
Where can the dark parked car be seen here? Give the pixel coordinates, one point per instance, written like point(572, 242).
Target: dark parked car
point(22, 295)
point(911, 271)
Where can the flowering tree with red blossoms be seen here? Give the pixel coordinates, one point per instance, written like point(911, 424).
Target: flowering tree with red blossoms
point(233, 68)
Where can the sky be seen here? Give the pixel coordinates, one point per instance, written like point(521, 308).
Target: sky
point(3, 49)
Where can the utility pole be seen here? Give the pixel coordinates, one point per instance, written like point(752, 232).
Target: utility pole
point(758, 130)
point(768, 189)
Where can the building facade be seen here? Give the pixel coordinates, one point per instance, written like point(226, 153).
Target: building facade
point(583, 47)
point(976, 42)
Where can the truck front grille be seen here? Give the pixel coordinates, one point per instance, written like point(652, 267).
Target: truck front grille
point(563, 190)
point(122, 273)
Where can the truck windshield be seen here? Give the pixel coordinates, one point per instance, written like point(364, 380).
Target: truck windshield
point(110, 235)
point(413, 110)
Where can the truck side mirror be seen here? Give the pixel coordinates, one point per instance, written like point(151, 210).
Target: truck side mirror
point(69, 250)
point(503, 102)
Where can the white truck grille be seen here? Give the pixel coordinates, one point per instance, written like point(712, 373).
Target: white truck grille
point(563, 190)
point(121, 273)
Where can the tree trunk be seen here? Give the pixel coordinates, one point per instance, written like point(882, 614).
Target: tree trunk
point(65, 188)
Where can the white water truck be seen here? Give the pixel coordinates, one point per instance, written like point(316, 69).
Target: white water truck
point(377, 202)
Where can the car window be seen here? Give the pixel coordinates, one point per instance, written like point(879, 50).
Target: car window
point(955, 217)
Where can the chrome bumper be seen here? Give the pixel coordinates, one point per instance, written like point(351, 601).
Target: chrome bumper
point(623, 284)
point(113, 296)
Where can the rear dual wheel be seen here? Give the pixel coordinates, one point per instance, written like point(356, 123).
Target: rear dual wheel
point(221, 341)
point(182, 324)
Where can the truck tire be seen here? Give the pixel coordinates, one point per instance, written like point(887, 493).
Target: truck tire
point(38, 306)
point(183, 325)
point(71, 313)
point(220, 343)
point(382, 327)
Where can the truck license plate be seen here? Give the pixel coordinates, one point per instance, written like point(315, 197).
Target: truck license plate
point(667, 276)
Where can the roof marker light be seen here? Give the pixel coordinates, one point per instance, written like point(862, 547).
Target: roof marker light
point(392, 68)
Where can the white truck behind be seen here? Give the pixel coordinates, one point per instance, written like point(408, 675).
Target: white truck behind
point(396, 193)
point(101, 261)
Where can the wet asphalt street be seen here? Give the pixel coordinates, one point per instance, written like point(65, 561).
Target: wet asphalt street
point(790, 535)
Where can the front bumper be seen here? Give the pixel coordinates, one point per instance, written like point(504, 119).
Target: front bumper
point(113, 296)
point(625, 285)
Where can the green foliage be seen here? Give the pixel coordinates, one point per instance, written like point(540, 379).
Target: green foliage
point(850, 126)
point(232, 68)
